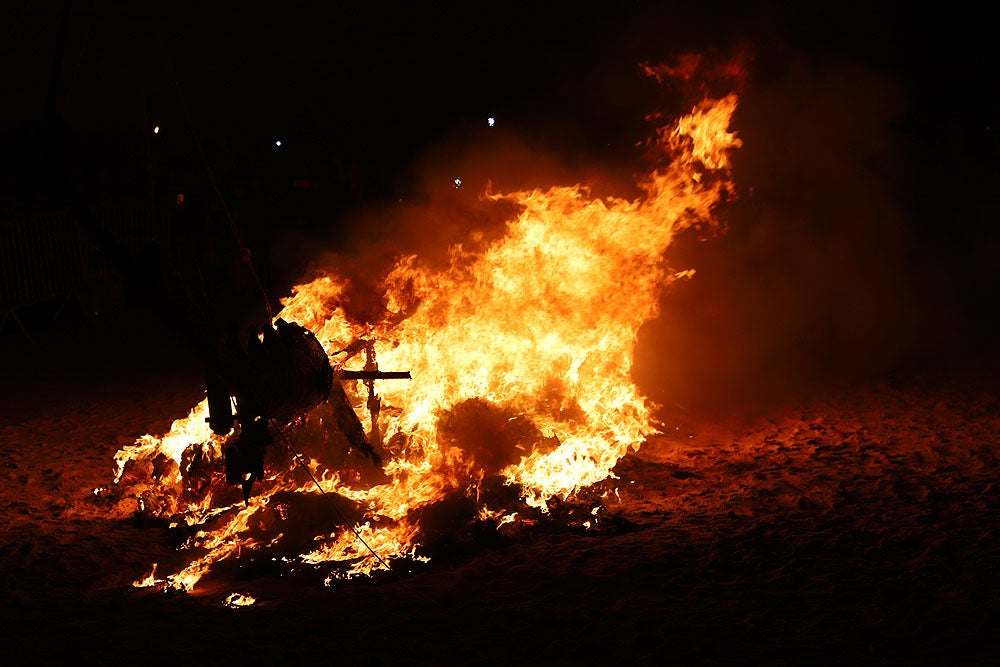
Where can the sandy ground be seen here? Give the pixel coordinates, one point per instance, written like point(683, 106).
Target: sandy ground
point(855, 527)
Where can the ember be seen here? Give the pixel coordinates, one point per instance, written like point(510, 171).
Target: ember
point(521, 354)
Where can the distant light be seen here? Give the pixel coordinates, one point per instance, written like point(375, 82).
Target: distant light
point(458, 182)
point(491, 121)
point(156, 129)
point(278, 143)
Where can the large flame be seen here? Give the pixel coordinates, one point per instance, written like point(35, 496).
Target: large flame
point(521, 354)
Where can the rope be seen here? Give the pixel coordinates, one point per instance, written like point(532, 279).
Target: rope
point(244, 251)
point(329, 500)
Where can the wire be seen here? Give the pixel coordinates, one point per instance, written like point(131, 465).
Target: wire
point(244, 251)
point(329, 500)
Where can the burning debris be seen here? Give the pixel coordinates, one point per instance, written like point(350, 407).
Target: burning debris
point(281, 375)
point(523, 399)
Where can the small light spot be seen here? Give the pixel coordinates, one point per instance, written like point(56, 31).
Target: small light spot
point(277, 143)
point(156, 129)
point(491, 121)
point(458, 182)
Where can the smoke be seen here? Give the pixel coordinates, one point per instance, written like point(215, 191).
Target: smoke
point(814, 284)
point(821, 277)
point(442, 199)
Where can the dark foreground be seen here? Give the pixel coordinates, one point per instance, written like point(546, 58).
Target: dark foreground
point(856, 527)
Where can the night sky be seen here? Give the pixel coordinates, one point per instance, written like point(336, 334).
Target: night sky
point(383, 81)
point(865, 237)
point(388, 79)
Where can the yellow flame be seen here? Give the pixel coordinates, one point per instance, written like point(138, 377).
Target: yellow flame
point(147, 581)
point(520, 353)
point(239, 600)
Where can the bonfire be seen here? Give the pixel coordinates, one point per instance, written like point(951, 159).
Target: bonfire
point(519, 401)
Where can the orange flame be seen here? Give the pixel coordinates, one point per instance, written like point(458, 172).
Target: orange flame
point(521, 354)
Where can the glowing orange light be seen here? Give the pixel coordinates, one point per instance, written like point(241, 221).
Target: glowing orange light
point(521, 354)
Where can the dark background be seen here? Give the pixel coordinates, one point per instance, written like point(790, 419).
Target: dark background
point(862, 247)
point(863, 242)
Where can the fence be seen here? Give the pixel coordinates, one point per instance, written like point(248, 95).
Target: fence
point(48, 257)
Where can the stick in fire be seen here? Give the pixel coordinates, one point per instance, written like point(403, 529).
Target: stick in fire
point(369, 374)
point(281, 375)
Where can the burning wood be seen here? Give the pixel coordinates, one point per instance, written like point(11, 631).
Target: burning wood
point(523, 348)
